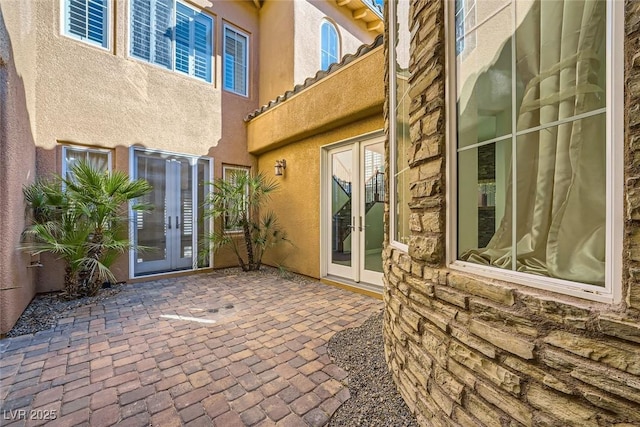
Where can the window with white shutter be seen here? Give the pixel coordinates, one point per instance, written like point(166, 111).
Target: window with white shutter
point(87, 20)
point(172, 35)
point(236, 54)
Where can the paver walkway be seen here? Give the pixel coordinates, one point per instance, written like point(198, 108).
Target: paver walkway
point(209, 349)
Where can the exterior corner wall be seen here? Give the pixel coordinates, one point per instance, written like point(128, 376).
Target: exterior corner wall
point(17, 156)
point(473, 351)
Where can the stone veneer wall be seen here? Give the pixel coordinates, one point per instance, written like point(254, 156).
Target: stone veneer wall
point(468, 351)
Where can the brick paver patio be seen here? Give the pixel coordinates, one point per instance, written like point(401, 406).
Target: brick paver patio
point(208, 349)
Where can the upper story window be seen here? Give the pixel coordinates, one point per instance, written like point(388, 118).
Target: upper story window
point(236, 60)
point(172, 35)
point(99, 159)
point(535, 155)
point(399, 139)
point(87, 20)
point(329, 45)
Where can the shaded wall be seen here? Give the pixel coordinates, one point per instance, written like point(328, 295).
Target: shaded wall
point(104, 98)
point(344, 104)
point(17, 154)
point(473, 351)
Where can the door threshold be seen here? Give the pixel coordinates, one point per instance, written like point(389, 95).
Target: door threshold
point(368, 289)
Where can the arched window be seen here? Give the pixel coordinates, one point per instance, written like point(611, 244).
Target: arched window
point(329, 45)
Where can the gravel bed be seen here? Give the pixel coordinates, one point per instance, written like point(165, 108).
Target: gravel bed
point(374, 399)
point(44, 310)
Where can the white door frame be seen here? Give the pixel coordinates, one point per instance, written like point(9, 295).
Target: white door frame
point(172, 205)
point(356, 272)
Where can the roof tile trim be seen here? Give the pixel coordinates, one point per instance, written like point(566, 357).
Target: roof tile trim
point(348, 58)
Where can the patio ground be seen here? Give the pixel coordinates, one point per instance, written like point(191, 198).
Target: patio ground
point(208, 349)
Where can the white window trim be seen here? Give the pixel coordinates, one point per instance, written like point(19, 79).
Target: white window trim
point(173, 44)
point(109, 26)
point(393, 98)
point(66, 148)
point(247, 59)
point(338, 40)
point(612, 291)
point(226, 168)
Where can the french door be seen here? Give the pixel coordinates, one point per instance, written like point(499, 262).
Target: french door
point(354, 210)
point(170, 237)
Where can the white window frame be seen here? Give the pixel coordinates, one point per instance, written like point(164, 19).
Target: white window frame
point(174, 9)
point(393, 143)
point(331, 24)
point(236, 30)
point(612, 291)
point(225, 169)
point(106, 45)
point(66, 148)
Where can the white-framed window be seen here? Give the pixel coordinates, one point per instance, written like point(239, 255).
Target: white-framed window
point(87, 20)
point(534, 164)
point(172, 35)
point(232, 174)
point(399, 138)
point(236, 61)
point(329, 44)
point(98, 158)
point(465, 18)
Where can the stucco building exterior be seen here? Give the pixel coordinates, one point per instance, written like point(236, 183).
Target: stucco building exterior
point(157, 89)
point(511, 256)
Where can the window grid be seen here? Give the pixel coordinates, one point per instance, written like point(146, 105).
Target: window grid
point(601, 292)
point(236, 57)
point(329, 45)
point(87, 20)
point(172, 35)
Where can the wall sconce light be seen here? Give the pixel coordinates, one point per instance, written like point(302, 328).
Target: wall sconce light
point(281, 165)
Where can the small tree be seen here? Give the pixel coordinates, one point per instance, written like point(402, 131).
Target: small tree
point(81, 221)
point(235, 204)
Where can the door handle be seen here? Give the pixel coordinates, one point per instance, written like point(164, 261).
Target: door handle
point(353, 223)
point(362, 226)
point(177, 221)
point(169, 225)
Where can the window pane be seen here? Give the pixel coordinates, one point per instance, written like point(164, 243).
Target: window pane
point(163, 32)
point(561, 67)
point(561, 205)
point(328, 45)
point(234, 212)
point(484, 229)
point(141, 29)
point(97, 159)
point(184, 15)
point(484, 83)
point(235, 65)
point(203, 31)
point(402, 141)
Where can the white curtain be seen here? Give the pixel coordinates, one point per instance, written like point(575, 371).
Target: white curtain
point(561, 173)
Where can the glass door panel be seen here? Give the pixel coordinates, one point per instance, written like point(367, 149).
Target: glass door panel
point(372, 210)
point(169, 235)
point(151, 226)
point(342, 216)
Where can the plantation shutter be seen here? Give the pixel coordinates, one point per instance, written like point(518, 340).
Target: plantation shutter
point(235, 50)
point(87, 19)
point(193, 42)
point(203, 46)
point(151, 30)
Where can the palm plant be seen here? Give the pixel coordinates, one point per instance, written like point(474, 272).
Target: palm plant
point(236, 203)
point(81, 220)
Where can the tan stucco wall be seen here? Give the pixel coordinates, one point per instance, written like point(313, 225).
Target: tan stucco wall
point(349, 94)
point(276, 49)
point(297, 202)
point(17, 154)
point(308, 16)
point(341, 106)
point(104, 98)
